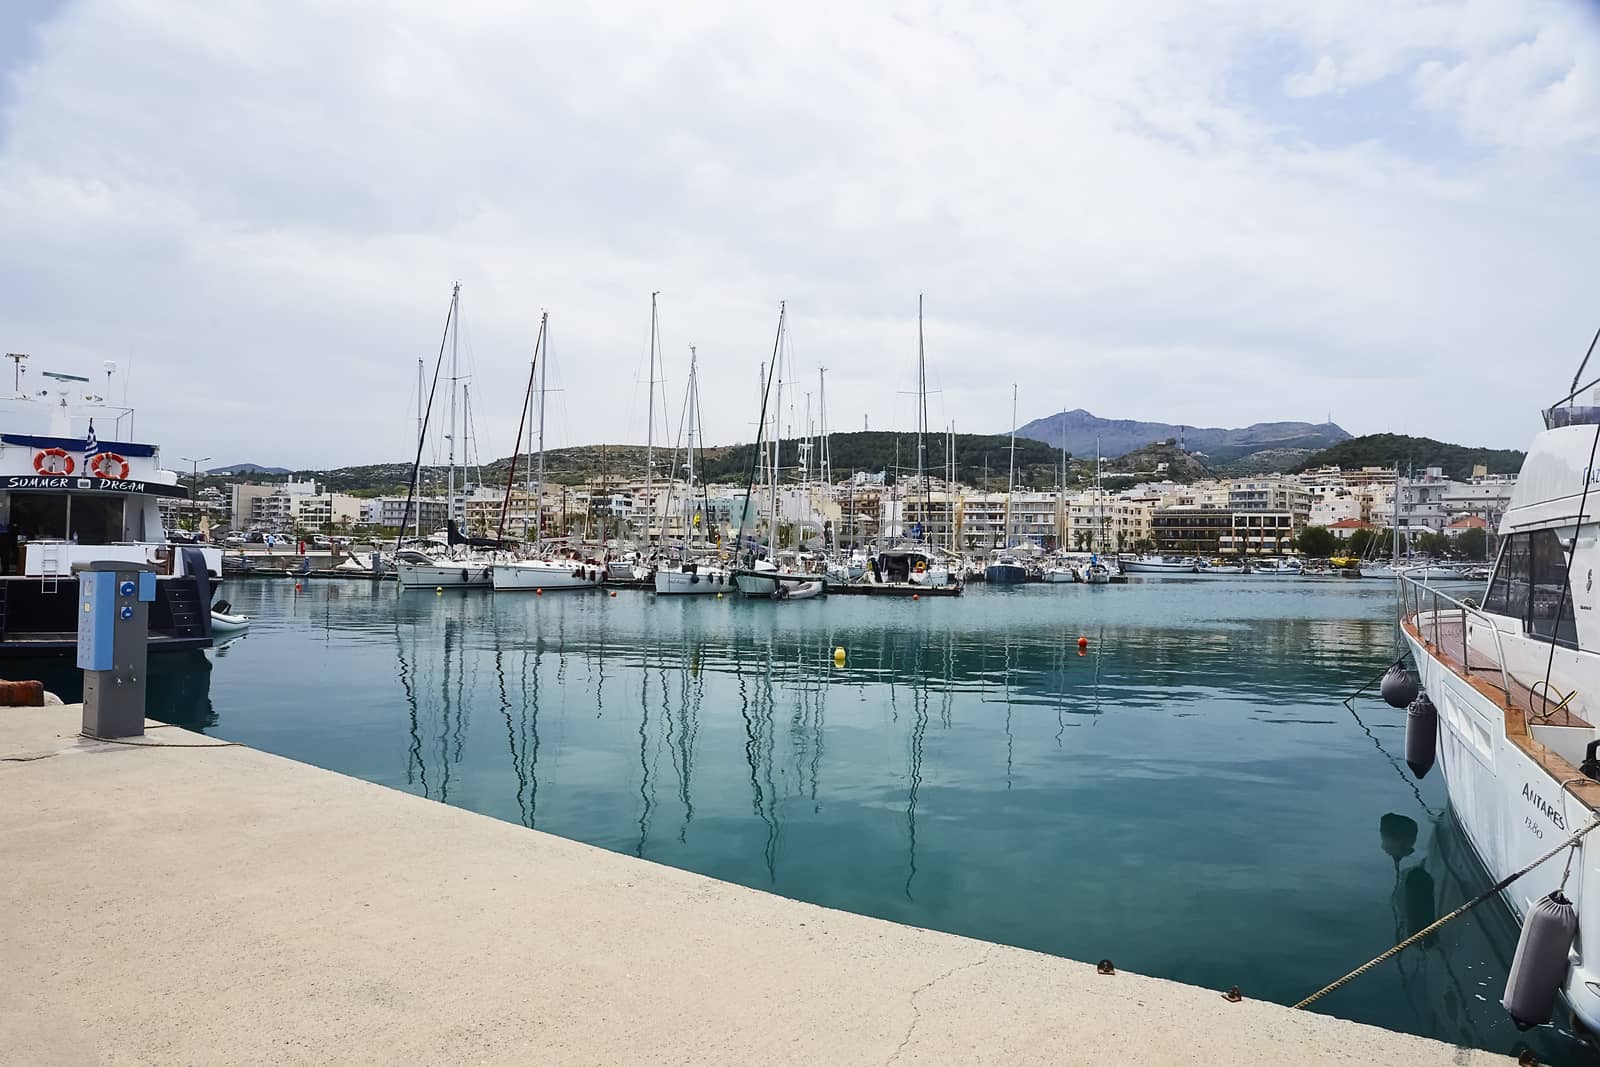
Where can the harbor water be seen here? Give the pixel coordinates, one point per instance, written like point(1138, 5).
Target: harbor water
point(1189, 795)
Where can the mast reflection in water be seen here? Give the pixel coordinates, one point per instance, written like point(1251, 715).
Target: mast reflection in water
point(1189, 797)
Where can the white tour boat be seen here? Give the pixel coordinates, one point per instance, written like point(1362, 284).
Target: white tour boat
point(71, 495)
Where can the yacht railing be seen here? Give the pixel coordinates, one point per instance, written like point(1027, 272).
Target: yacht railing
point(1414, 592)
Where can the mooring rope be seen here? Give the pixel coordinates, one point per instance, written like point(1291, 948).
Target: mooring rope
point(1570, 842)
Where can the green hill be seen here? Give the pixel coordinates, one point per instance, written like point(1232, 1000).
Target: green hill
point(872, 451)
point(1391, 449)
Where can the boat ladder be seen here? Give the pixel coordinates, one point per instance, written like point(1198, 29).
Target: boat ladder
point(50, 565)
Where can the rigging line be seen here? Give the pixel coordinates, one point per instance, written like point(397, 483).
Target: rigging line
point(1437, 923)
point(416, 464)
point(527, 398)
point(761, 428)
point(1566, 584)
point(1584, 364)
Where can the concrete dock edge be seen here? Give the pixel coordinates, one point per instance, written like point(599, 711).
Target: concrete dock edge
point(185, 900)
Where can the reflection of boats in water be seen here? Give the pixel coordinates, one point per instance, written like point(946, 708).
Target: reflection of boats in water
point(1450, 982)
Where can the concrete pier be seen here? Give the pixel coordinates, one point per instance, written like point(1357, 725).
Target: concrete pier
point(183, 900)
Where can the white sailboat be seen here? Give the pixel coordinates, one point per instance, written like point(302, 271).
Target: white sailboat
point(540, 573)
point(690, 575)
point(453, 568)
point(1006, 569)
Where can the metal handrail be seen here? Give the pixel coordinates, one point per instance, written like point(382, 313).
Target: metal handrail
point(1422, 587)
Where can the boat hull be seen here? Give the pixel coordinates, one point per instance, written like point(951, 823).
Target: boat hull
point(473, 575)
point(1005, 574)
point(1512, 811)
point(700, 581)
point(545, 576)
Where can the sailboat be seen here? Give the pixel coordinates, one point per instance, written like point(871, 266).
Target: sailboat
point(762, 577)
point(1006, 568)
point(1095, 571)
point(456, 568)
point(691, 574)
point(539, 574)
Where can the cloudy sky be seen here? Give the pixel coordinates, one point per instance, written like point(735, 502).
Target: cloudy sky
point(1204, 211)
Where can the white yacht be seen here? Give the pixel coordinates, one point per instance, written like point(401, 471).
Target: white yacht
point(1061, 571)
point(1160, 565)
point(695, 577)
point(1094, 572)
point(539, 575)
point(1514, 688)
point(417, 570)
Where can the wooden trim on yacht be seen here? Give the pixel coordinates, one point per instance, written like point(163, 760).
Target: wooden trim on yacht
point(1516, 719)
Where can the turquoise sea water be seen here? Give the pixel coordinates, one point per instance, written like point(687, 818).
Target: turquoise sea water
point(1190, 797)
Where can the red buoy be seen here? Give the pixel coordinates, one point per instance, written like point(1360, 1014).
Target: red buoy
point(916, 596)
point(613, 593)
point(1083, 642)
point(539, 591)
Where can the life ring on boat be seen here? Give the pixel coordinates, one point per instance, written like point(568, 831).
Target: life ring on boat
point(922, 566)
point(53, 461)
point(108, 465)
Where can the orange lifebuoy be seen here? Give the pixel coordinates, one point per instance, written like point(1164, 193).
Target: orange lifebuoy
point(922, 566)
point(109, 465)
point(53, 461)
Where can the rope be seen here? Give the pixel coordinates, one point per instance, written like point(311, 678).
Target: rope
point(1462, 910)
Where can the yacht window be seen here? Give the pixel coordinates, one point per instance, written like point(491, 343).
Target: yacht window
point(97, 519)
point(39, 515)
point(1550, 606)
point(1508, 592)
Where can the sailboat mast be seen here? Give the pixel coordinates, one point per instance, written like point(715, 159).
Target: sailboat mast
point(650, 426)
point(688, 489)
point(777, 428)
point(922, 411)
point(417, 474)
point(1011, 482)
point(538, 487)
point(455, 378)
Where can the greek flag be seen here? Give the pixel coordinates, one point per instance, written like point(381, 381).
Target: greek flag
point(91, 447)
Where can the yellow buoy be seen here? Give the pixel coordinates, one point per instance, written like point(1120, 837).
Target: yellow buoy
point(838, 656)
point(438, 590)
point(719, 596)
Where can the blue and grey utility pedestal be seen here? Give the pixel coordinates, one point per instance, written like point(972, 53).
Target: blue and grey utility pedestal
point(114, 600)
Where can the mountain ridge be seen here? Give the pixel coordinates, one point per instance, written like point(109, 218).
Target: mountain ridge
point(1078, 431)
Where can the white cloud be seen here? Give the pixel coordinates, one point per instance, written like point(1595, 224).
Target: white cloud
point(1323, 78)
point(1139, 209)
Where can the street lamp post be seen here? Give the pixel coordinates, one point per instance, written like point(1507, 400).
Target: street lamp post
point(194, 490)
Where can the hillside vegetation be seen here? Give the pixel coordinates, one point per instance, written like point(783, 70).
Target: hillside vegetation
point(1391, 449)
point(863, 450)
